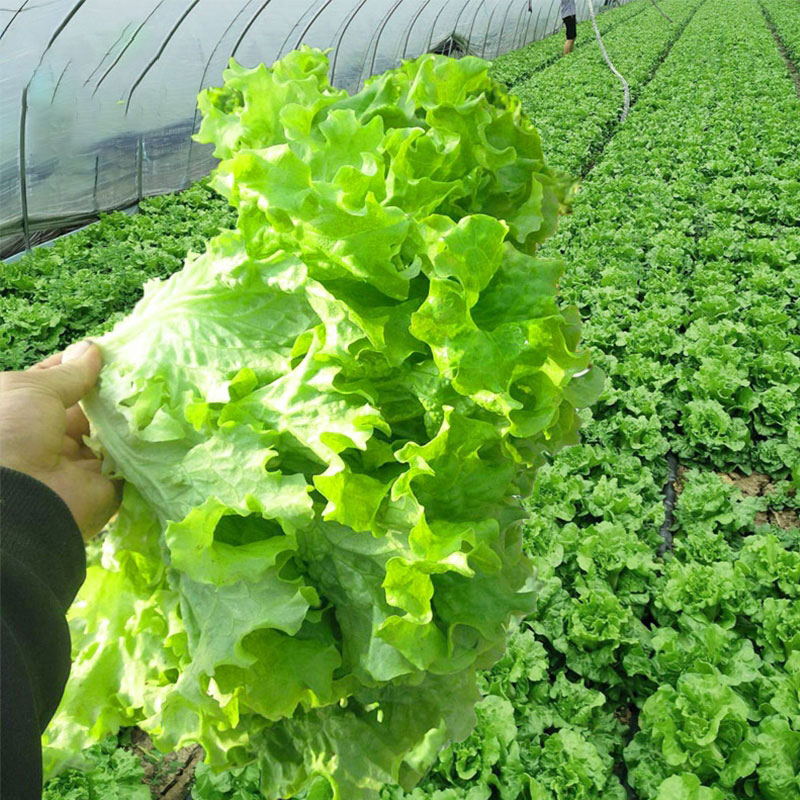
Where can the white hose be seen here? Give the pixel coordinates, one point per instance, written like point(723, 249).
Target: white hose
point(625, 88)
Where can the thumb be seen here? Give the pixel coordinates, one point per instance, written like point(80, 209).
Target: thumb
point(77, 373)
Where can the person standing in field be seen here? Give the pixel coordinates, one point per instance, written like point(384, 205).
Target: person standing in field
point(568, 16)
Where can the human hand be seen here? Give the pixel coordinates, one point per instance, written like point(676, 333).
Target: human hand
point(41, 430)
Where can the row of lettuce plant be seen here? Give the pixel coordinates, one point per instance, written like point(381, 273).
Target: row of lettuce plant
point(784, 16)
point(577, 101)
point(82, 283)
point(518, 65)
point(702, 642)
point(739, 382)
point(705, 363)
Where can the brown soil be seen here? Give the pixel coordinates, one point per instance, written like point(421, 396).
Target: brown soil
point(786, 518)
point(170, 776)
point(679, 479)
point(624, 715)
point(753, 485)
point(758, 485)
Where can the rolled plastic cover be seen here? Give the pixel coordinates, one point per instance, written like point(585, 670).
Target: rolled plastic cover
point(99, 96)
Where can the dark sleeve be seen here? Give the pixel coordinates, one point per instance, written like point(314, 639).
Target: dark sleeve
point(42, 566)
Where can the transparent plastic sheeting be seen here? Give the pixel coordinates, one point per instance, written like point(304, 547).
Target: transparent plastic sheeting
point(99, 96)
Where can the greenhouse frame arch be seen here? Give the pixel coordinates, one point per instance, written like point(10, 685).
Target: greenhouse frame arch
point(100, 99)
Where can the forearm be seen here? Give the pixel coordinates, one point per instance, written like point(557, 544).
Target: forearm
point(42, 565)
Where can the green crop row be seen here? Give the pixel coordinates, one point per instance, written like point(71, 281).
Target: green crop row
point(577, 101)
point(697, 650)
point(81, 284)
point(518, 65)
point(784, 16)
point(687, 259)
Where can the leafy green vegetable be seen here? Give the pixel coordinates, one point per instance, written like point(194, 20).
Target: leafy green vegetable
point(702, 725)
point(318, 544)
point(687, 786)
point(110, 773)
point(239, 783)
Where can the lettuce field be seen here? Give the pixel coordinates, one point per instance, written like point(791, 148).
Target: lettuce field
point(654, 648)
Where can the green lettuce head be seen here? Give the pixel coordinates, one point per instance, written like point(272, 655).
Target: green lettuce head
point(325, 423)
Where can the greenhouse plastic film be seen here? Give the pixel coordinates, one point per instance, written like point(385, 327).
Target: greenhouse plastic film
point(99, 97)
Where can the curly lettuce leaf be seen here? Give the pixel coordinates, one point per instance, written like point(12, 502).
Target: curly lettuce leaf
point(329, 417)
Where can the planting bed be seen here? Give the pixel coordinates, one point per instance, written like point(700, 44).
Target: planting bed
point(514, 67)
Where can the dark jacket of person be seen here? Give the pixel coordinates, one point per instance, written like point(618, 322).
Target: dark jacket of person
point(42, 566)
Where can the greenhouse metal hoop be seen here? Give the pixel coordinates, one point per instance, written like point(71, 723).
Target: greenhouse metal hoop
point(127, 45)
point(536, 24)
point(474, 19)
point(23, 177)
point(14, 16)
point(411, 27)
point(433, 27)
point(205, 72)
point(310, 24)
point(245, 31)
point(488, 28)
point(107, 53)
point(549, 14)
point(75, 9)
point(514, 42)
point(161, 49)
point(285, 42)
point(525, 38)
point(378, 35)
point(58, 82)
point(528, 29)
point(502, 30)
point(344, 28)
point(458, 19)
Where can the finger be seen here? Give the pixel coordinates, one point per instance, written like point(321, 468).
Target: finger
point(87, 454)
point(74, 378)
point(103, 500)
point(77, 424)
point(48, 362)
point(71, 449)
point(89, 464)
point(76, 451)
